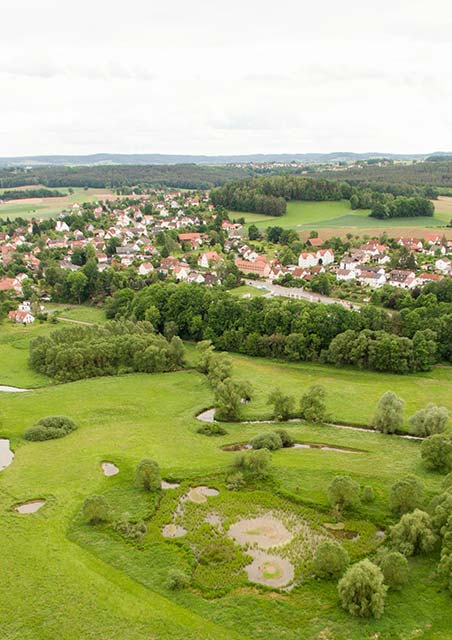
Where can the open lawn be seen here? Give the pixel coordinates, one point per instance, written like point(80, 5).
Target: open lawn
point(248, 291)
point(50, 207)
point(62, 579)
point(337, 218)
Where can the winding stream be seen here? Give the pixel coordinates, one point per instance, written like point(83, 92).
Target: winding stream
point(209, 416)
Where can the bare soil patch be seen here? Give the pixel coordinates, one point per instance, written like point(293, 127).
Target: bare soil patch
point(263, 532)
point(173, 531)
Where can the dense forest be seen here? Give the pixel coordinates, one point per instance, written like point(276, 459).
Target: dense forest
point(411, 340)
point(183, 176)
point(19, 194)
point(436, 173)
point(80, 352)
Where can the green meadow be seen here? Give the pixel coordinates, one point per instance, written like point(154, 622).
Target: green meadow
point(64, 579)
point(338, 217)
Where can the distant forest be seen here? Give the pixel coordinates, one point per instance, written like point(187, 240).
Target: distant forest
point(182, 176)
point(434, 173)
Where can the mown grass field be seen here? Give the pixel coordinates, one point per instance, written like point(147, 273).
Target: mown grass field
point(63, 579)
point(337, 218)
point(50, 207)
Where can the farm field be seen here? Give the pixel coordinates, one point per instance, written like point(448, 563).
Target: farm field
point(64, 579)
point(337, 218)
point(49, 207)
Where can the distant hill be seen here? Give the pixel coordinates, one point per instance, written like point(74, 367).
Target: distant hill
point(157, 158)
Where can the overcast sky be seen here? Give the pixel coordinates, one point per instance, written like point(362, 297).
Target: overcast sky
point(235, 76)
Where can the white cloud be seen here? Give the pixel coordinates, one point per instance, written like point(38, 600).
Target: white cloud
point(216, 77)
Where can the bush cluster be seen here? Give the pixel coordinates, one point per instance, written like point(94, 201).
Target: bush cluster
point(49, 428)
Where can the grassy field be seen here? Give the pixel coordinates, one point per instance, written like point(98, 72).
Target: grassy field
point(49, 207)
point(63, 579)
point(336, 218)
point(247, 290)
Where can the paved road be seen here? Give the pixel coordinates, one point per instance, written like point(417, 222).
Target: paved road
point(299, 293)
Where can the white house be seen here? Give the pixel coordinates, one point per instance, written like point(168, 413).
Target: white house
point(21, 317)
point(307, 260)
point(325, 256)
point(345, 274)
point(145, 268)
point(443, 265)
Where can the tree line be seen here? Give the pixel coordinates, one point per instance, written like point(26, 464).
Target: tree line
point(20, 194)
point(80, 352)
point(296, 330)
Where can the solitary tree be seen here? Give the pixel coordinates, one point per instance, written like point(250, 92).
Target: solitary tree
point(228, 397)
point(389, 415)
point(330, 559)
point(436, 452)
point(95, 509)
point(406, 495)
point(429, 420)
point(147, 475)
point(283, 405)
point(413, 534)
point(312, 405)
point(343, 492)
point(362, 590)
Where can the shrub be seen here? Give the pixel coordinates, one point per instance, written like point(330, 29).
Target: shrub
point(50, 428)
point(286, 439)
point(367, 494)
point(177, 580)
point(406, 495)
point(133, 530)
point(436, 452)
point(256, 463)
point(389, 415)
point(343, 492)
point(413, 534)
point(330, 559)
point(441, 508)
point(216, 552)
point(428, 421)
point(394, 566)
point(95, 509)
point(147, 475)
point(235, 481)
point(212, 430)
point(312, 404)
point(362, 590)
point(271, 441)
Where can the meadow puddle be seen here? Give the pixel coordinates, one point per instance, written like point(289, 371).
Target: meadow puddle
point(173, 531)
point(29, 507)
point(200, 494)
point(264, 532)
point(6, 455)
point(270, 570)
point(7, 389)
point(207, 416)
point(109, 469)
point(169, 485)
